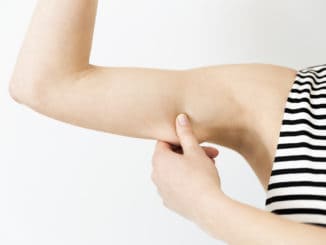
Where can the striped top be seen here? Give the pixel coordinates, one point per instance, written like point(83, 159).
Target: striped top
point(297, 184)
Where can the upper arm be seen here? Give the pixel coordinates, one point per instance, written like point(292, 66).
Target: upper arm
point(53, 76)
point(144, 102)
point(135, 102)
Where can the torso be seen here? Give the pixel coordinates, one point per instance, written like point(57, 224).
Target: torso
point(296, 187)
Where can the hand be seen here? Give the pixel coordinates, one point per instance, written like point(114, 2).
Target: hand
point(185, 180)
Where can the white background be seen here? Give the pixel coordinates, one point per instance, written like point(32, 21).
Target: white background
point(61, 184)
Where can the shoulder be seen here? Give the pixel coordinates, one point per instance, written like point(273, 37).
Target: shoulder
point(247, 108)
point(224, 99)
point(255, 89)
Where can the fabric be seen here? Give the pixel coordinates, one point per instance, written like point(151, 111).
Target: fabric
point(297, 184)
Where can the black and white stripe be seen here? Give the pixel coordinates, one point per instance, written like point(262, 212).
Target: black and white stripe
point(297, 184)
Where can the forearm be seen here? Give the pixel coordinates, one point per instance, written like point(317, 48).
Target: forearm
point(57, 43)
point(239, 224)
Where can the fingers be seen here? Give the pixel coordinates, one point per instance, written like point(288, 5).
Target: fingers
point(211, 152)
point(187, 139)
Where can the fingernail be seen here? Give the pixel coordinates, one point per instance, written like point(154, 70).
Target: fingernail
point(183, 120)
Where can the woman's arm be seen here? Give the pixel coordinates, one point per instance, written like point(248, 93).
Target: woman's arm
point(53, 76)
point(57, 46)
point(241, 224)
point(193, 190)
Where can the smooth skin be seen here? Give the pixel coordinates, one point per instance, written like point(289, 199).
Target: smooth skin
point(239, 106)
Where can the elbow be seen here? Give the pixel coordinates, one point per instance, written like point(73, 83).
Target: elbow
point(14, 93)
point(28, 94)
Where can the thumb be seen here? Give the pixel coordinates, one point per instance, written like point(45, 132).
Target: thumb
point(185, 134)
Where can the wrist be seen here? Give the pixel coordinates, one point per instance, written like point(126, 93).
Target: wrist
point(209, 201)
point(211, 211)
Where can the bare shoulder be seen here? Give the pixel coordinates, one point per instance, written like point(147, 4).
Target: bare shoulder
point(249, 82)
point(258, 90)
point(259, 93)
point(261, 88)
point(263, 92)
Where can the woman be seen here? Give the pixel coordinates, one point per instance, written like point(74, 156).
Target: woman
point(240, 106)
